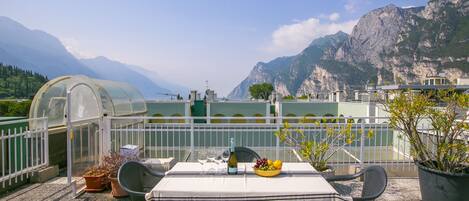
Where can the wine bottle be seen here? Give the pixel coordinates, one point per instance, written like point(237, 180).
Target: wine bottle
point(232, 160)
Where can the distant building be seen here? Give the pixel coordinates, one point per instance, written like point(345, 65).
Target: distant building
point(462, 81)
point(435, 80)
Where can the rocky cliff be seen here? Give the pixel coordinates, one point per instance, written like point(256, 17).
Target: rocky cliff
point(388, 45)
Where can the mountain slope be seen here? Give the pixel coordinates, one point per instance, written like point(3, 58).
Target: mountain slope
point(114, 70)
point(388, 44)
point(160, 81)
point(37, 51)
point(17, 83)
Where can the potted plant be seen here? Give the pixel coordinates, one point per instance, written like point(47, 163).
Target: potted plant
point(318, 152)
point(112, 163)
point(95, 179)
point(440, 149)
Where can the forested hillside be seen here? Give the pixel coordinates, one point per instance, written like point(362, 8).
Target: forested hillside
point(16, 83)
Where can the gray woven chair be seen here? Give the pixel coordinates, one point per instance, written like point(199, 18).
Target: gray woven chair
point(137, 179)
point(244, 154)
point(375, 182)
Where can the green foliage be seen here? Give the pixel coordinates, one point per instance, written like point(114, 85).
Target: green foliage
point(446, 149)
point(289, 97)
point(303, 97)
point(261, 91)
point(319, 151)
point(14, 108)
point(18, 83)
point(309, 118)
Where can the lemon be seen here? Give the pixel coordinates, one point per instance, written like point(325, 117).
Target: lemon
point(278, 164)
point(269, 162)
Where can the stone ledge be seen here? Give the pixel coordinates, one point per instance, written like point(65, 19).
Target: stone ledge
point(44, 174)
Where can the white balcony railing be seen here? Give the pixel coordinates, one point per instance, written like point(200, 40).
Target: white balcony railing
point(22, 150)
point(189, 138)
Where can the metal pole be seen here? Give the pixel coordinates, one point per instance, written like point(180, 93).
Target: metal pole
point(192, 139)
point(277, 140)
point(106, 137)
point(69, 139)
point(46, 141)
point(362, 144)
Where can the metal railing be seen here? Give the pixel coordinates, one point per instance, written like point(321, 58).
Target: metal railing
point(22, 150)
point(190, 138)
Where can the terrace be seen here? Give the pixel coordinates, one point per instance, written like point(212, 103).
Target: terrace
point(76, 121)
point(185, 140)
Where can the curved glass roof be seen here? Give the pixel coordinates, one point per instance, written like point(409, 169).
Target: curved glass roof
point(90, 98)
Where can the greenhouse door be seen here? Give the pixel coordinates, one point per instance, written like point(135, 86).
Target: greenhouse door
point(83, 133)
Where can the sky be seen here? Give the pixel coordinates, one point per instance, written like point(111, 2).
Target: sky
point(189, 42)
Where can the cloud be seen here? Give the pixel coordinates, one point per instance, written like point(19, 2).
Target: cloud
point(334, 17)
point(331, 17)
point(350, 6)
point(292, 38)
point(405, 7)
point(73, 46)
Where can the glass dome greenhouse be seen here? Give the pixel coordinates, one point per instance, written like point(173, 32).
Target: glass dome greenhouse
point(90, 98)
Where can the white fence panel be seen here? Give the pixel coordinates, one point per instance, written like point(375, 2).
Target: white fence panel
point(23, 150)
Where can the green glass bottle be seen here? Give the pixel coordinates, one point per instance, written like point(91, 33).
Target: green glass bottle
point(232, 160)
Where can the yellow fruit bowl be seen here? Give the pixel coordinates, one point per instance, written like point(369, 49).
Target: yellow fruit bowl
point(267, 173)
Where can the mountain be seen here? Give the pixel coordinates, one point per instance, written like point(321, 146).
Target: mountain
point(117, 71)
point(40, 52)
point(158, 79)
point(388, 45)
point(36, 51)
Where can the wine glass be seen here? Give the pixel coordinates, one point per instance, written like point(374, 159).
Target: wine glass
point(212, 155)
point(225, 156)
point(202, 161)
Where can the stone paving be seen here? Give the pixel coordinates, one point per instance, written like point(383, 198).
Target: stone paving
point(57, 189)
point(397, 189)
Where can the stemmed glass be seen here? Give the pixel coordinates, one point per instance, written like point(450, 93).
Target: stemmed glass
point(225, 156)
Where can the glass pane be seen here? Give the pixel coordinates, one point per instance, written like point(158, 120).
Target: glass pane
point(84, 104)
point(120, 99)
point(52, 104)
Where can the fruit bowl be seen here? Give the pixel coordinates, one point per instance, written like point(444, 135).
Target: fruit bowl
point(267, 168)
point(267, 173)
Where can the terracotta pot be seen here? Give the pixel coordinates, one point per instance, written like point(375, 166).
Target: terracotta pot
point(95, 183)
point(117, 190)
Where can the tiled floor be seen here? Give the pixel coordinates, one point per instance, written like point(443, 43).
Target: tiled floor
point(56, 189)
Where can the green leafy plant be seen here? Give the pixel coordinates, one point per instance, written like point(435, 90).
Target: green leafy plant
point(438, 135)
point(318, 152)
point(261, 91)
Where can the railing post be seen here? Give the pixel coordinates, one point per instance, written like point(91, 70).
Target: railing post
point(46, 141)
point(192, 140)
point(277, 140)
point(362, 143)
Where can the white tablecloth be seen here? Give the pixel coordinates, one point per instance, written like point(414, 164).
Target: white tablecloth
point(193, 181)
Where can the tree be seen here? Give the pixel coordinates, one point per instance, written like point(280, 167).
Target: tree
point(261, 91)
point(437, 135)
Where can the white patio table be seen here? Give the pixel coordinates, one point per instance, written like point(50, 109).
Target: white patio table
point(194, 181)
